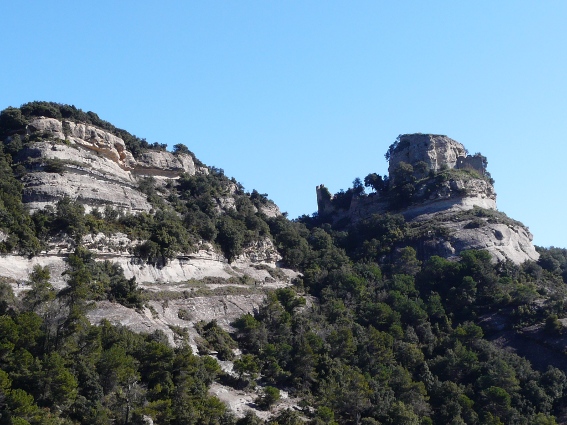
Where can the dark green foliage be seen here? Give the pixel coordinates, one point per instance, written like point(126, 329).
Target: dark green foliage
point(41, 109)
point(13, 145)
point(11, 121)
point(404, 185)
point(553, 326)
point(376, 182)
point(399, 348)
point(247, 366)
point(269, 398)
point(54, 165)
point(553, 260)
point(167, 238)
point(41, 291)
point(289, 299)
point(92, 280)
point(111, 375)
point(67, 218)
point(230, 236)
point(14, 219)
point(216, 339)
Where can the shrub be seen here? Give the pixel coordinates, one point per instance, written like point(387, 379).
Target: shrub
point(270, 396)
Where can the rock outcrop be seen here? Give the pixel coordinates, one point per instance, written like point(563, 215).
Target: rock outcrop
point(94, 167)
point(445, 184)
point(477, 228)
point(163, 164)
point(437, 152)
point(91, 166)
point(87, 136)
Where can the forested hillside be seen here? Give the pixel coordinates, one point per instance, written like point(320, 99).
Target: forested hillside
point(372, 332)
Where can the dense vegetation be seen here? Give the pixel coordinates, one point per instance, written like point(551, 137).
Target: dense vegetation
point(372, 333)
point(56, 368)
point(397, 340)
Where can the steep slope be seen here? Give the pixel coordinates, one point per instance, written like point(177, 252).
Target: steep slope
point(164, 218)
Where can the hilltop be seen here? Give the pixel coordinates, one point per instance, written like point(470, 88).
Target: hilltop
point(444, 194)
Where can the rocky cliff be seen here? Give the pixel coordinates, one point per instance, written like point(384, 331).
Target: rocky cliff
point(433, 182)
point(436, 152)
point(92, 166)
point(157, 242)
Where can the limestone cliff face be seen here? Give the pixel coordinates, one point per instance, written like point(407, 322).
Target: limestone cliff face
point(96, 168)
point(256, 261)
point(455, 194)
point(435, 150)
point(87, 176)
point(504, 241)
point(446, 183)
point(90, 137)
point(163, 164)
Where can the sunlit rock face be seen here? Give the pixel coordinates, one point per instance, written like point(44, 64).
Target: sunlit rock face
point(94, 167)
point(435, 150)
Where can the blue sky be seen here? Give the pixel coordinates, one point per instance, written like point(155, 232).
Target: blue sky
point(288, 95)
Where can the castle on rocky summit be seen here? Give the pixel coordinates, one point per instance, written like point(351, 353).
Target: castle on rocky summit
point(443, 191)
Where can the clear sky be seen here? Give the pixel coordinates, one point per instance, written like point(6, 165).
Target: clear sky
point(286, 95)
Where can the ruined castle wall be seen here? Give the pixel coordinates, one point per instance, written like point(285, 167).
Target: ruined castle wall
point(471, 163)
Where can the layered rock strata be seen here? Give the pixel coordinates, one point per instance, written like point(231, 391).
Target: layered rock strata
point(94, 167)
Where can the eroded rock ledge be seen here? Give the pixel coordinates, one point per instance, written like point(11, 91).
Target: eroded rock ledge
point(98, 168)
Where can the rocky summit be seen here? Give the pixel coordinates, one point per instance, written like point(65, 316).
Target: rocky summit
point(438, 188)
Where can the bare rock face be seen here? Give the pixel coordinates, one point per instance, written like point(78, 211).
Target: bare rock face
point(164, 164)
point(270, 210)
point(42, 189)
point(435, 150)
point(93, 179)
point(260, 251)
point(94, 167)
point(162, 316)
point(504, 242)
point(504, 238)
point(85, 135)
point(453, 195)
point(258, 261)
